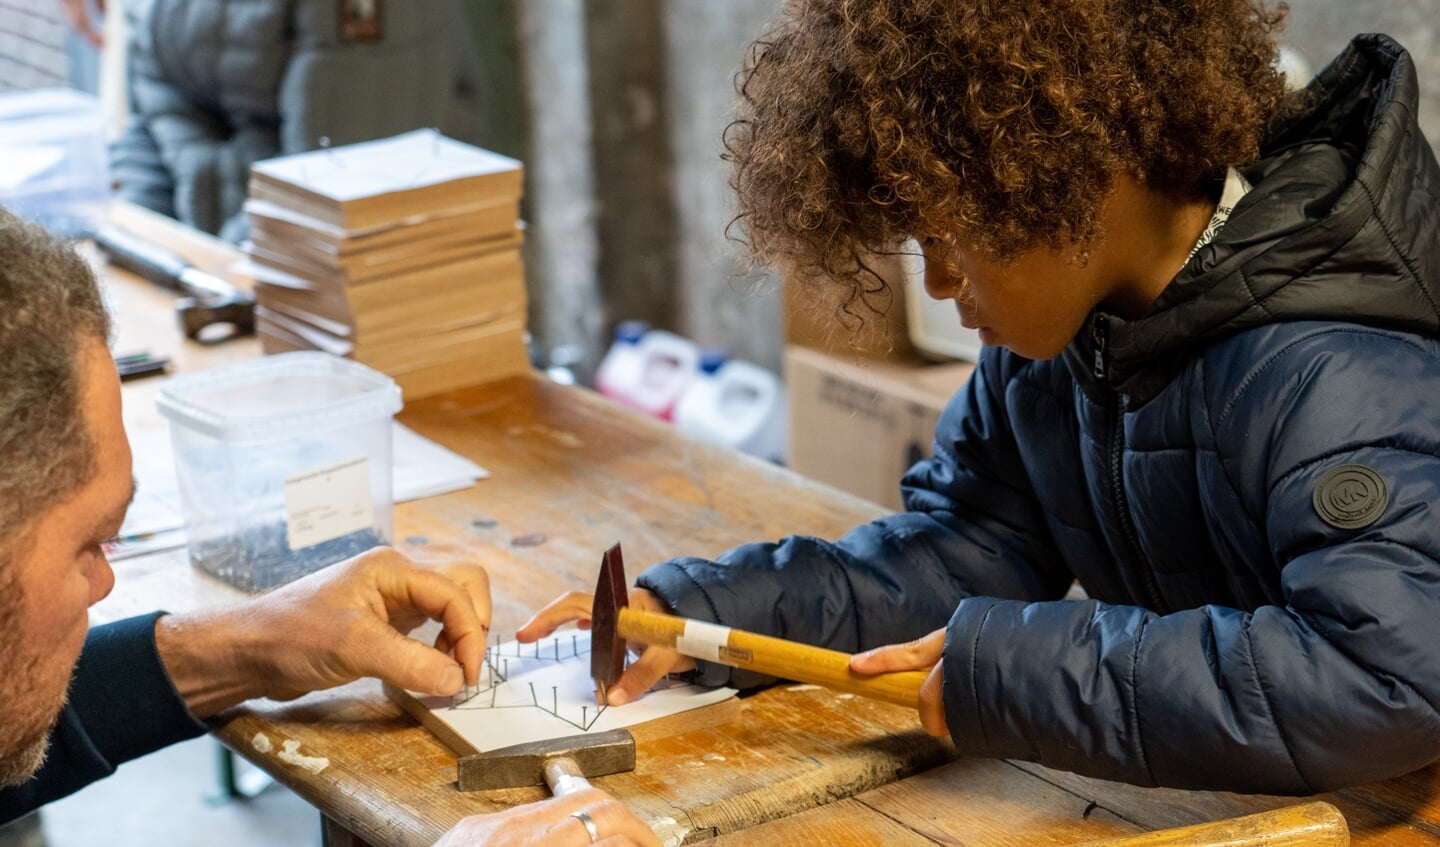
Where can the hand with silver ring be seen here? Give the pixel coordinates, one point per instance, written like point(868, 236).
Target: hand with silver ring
point(548, 822)
point(588, 823)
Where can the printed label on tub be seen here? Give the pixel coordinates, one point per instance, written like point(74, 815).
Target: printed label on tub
point(326, 503)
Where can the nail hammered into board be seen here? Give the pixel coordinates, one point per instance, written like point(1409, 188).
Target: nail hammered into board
point(532, 540)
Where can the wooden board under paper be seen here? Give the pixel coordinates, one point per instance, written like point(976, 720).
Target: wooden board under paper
point(537, 692)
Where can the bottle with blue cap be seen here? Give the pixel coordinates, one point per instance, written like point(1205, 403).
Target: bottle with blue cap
point(737, 404)
point(647, 369)
point(619, 371)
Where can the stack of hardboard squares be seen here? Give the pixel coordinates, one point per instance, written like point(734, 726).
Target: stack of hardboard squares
point(402, 253)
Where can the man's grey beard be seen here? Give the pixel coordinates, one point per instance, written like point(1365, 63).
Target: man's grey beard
point(22, 756)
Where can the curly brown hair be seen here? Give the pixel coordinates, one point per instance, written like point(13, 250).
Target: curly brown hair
point(1005, 122)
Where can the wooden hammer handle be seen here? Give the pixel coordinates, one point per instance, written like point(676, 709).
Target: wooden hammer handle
point(772, 656)
point(1316, 824)
point(564, 776)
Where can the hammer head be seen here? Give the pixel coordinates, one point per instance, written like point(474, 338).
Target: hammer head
point(197, 315)
point(596, 753)
point(607, 649)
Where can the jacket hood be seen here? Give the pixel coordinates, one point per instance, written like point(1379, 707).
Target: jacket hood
point(1343, 223)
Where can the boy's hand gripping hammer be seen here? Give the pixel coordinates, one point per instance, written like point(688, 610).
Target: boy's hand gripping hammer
point(613, 623)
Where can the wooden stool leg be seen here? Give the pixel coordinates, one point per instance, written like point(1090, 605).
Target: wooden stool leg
point(334, 834)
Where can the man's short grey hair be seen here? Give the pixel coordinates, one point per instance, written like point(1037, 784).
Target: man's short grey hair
point(50, 304)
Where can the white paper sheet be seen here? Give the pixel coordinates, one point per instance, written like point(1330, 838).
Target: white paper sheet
point(269, 275)
point(410, 160)
point(535, 692)
point(424, 468)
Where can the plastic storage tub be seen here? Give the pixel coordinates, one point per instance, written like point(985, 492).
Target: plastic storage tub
point(283, 463)
point(55, 166)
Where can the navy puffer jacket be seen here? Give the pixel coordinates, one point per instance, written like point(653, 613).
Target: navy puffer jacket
point(1243, 482)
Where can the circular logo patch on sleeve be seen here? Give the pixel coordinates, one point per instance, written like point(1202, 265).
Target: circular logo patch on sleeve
point(1350, 496)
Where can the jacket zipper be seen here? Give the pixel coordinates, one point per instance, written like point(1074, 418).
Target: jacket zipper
point(1100, 334)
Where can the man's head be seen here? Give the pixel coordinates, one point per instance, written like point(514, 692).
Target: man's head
point(992, 128)
point(64, 478)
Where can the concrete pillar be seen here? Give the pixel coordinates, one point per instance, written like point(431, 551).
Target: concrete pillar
point(561, 249)
point(634, 173)
point(721, 300)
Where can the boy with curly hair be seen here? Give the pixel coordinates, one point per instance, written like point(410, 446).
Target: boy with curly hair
point(1211, 395)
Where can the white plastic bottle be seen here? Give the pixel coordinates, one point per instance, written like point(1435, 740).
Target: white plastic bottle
point(667, 365)
point(619, 372)
point(647, 369)
point(737, 404)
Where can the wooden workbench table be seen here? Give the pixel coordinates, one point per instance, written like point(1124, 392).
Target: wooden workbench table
point(572, 473)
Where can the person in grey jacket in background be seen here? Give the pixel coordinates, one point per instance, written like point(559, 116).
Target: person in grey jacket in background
point(215, 85)
point(1211, 391)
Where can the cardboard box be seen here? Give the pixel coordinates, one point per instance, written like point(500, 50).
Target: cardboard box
point(859, 424)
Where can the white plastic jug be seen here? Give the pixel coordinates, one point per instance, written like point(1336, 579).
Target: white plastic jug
point(736, 404)
point(619, 371)
point(651, 376)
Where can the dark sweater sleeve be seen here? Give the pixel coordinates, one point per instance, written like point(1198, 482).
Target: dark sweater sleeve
point(122, 705)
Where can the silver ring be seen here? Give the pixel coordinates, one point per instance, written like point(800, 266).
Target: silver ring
point(589, 824)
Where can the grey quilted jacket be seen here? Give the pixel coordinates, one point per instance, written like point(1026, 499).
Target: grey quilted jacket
point(1245, 482)
point(218, 84)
